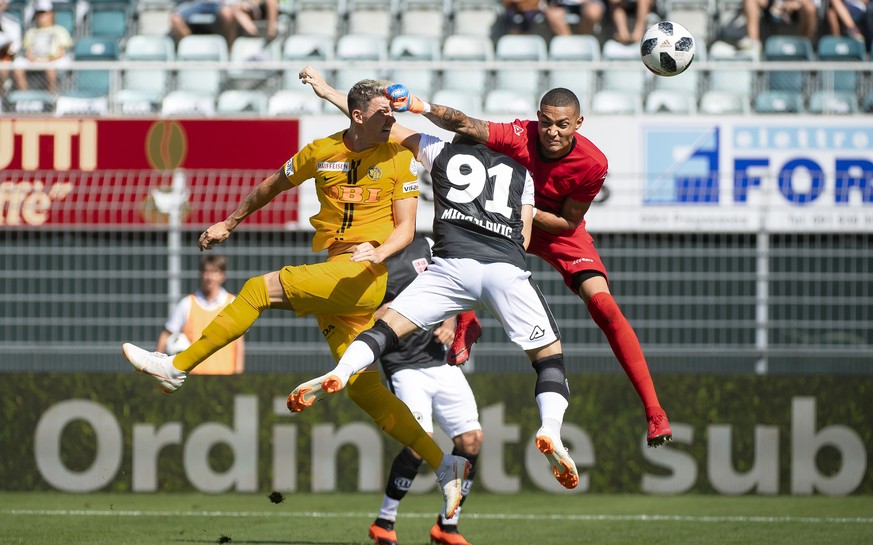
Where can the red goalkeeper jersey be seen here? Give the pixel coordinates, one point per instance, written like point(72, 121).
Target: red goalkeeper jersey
point(578, 175)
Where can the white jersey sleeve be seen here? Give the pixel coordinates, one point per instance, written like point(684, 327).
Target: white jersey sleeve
point(428, 148)
point(179, 316)
point(527, 194)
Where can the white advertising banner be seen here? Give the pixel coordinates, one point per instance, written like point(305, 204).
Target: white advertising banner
point(710, 174)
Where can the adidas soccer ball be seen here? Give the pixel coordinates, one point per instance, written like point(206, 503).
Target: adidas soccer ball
point(176, 343)
point(667, 48)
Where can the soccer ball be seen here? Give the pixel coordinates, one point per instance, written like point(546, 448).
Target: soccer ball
point(176, 343)
point(667, 48)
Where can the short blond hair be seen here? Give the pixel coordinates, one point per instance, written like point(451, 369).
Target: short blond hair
point(364, 91)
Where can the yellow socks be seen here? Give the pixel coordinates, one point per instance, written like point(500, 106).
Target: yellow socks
point(392, 415)
point(234, 320)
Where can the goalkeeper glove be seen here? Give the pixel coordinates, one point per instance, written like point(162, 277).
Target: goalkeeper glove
point(403, 101)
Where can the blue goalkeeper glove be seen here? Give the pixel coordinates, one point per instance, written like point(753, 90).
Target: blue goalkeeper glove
point(403, 101)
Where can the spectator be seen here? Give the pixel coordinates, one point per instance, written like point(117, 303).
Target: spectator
point(194, 312)
point(588, 12)
point(847, 15)
point(521, 16)
point(81, 9)
point(225, 17)
point(244, 13)
point(10, 42)
point(202, 17)
point(622, 10)
point(44, 43)
point(802, 13)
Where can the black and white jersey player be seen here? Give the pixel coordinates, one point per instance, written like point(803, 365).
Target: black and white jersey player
point(417, 373)
point(482, 220)
point(479, 244)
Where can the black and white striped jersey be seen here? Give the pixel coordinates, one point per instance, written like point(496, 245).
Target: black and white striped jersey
point(478, 195)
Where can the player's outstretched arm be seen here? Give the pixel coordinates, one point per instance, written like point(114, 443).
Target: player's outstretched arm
point(443, 117)
point(262, 194)
point(312, 77)
point(406, 137)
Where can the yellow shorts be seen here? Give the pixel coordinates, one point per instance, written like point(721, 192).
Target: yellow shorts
point(343, 295)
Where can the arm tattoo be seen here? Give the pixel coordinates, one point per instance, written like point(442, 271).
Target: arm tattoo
point(457, 121)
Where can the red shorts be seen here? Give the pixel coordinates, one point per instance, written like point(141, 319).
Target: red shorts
point(568, 254)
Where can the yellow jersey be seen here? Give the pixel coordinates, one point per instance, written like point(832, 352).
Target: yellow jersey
point(356, 190)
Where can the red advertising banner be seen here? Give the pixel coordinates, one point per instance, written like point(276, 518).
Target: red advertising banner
point(95, 173)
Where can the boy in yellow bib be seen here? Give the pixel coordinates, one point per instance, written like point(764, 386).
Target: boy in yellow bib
point(368, 193)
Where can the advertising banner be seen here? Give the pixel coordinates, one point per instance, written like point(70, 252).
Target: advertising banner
point(91, 173)
point(711, 174)
point(731, 435)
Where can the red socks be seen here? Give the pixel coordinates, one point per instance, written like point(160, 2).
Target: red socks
point(625, 345)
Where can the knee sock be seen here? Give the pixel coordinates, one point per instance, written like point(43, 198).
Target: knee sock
point(364, 350)
point(393, 416)
point(234, 320)
point(552, 391)
point(465, 488)
point(403, 472)
point(625, 345)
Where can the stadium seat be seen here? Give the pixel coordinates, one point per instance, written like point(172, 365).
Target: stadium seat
point(790, 49)
point(469, 103)
point(359, 47)
point(631, 79)
point(65, 16)
point(238, 101)
point(616, 102)
point(467, 48)
point(319, 17)
point(188, 103)
point(413, 47)
point(307, 48)
point(476, 17)
point(828, 102)
point(580, 82)
point(109, 22)
point(201, 47)
point(839, 49)
point(514, 48)
point(423, 17)
point(142, 89)
point(575, 47)
point(867, 104)
point(31, 101)
point(671, 102)
point(247, 49)
point(89, 92)
point(373, 17)
point(302, 50)
point(778, 102)
point(153, 17)
point(510, 101)
point(727, 77)
point(287, 102)
point(698, 16)
point(724, 102)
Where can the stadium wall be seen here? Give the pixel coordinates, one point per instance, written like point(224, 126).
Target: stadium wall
point(748, 435)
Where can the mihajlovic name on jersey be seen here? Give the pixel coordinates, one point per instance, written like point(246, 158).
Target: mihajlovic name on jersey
point(499, 228)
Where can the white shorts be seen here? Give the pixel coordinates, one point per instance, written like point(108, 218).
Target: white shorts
point(451, 286)
point(440, 391)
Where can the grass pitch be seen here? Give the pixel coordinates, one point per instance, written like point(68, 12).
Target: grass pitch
point(50, 518)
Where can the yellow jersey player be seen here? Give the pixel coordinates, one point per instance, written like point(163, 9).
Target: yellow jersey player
point(368, 194)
